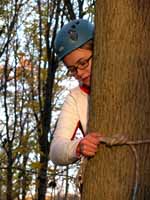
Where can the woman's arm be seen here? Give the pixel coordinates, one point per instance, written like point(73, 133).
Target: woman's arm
point(63, 149)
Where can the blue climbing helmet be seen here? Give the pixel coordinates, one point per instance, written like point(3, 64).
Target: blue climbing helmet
point(72, 36)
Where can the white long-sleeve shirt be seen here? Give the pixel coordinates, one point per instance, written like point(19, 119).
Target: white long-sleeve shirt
point(73, 114)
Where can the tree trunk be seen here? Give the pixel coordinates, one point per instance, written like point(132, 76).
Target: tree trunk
point(9, 173)
point(24, 177)
point(1, 184)
point(67, 183)
point(120, 101)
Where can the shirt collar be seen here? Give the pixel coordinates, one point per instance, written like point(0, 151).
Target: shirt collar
point(85, 89)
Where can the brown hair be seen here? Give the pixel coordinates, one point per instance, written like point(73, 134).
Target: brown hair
point(88, 45)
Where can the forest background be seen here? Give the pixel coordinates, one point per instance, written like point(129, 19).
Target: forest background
point(32, 89)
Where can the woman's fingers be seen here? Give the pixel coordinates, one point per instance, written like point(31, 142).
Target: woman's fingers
point(89, 144)
point(88, 149)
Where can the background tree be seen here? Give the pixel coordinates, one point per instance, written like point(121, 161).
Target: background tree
point(120, 101)
point(31, 94)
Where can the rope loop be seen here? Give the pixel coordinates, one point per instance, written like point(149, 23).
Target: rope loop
point(116, 140)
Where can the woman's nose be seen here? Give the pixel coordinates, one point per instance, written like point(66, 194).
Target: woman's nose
point(80, 72)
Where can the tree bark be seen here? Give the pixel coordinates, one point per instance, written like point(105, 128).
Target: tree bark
point(9, 173)
point(120, 100)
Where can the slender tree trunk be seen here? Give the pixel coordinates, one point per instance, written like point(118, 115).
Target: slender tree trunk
point(45, 123)
point(120, 101)
point(9, 174)
point(46, 108)
point(1, 178)
point(67, 183)
point(24, 178)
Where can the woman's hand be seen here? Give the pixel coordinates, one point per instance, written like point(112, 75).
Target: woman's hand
point(88, 146)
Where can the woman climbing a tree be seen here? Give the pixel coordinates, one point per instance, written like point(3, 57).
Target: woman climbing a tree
point(74, 46)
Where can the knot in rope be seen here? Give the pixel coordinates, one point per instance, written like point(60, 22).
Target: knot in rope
point(115, 140)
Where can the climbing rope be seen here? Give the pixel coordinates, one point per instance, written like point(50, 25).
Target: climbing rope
point(116, 140)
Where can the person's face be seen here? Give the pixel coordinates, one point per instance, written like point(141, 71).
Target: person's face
point(79, 63)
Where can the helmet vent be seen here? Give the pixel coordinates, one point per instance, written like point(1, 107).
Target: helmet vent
point(73, 26)
point(61, 48)
point(77, 22)
point(73, 35)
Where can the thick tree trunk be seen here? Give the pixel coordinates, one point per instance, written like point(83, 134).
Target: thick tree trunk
point(120, 100)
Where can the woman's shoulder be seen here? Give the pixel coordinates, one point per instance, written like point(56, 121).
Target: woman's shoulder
point(77, 91)
point(76, 97)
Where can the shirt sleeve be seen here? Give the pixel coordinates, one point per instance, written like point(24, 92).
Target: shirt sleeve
point(63, 149)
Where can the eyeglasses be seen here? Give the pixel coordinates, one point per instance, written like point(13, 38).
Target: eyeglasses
point(73, 69)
